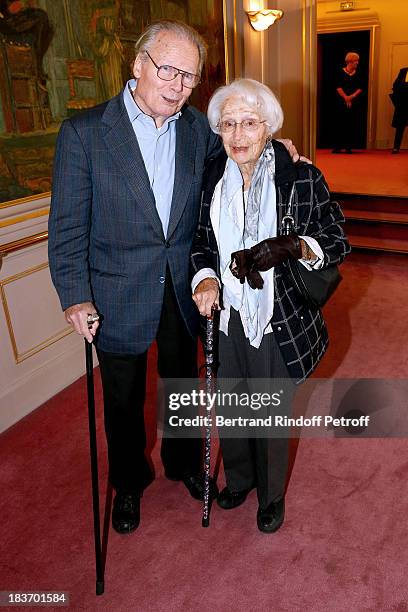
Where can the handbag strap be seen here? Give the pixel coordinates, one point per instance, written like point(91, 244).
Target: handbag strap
point(288, 222)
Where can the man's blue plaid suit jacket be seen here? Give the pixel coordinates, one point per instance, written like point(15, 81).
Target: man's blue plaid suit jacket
point(106, 243)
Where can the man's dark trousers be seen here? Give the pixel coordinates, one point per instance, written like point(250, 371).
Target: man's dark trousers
point(124, 388)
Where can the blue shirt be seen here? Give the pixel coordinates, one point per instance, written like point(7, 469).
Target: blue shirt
point(158, 149)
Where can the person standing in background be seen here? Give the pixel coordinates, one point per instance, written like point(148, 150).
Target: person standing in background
point(347, 110)
point(399, 98)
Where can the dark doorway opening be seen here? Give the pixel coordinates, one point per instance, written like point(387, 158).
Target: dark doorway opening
point(331, 51)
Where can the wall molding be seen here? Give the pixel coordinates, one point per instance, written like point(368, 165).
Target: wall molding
point(20, 356)
point(309, 63)
point(30, 391)
point(33, 198)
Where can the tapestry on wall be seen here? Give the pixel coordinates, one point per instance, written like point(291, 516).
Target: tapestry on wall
point(59, 57)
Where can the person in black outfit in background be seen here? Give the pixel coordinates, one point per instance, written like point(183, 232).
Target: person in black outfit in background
point(347, 111)
point(399, 98)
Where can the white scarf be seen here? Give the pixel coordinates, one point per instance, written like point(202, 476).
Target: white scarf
point(235, 230)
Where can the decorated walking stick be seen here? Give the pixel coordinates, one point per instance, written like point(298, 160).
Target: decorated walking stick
point(209, 386)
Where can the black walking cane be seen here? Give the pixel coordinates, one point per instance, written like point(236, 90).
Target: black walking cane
point(209, 386)
point(100, 579)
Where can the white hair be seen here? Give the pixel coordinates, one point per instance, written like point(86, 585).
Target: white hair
point(253, 93)
point(179, 29)
point(351, 57)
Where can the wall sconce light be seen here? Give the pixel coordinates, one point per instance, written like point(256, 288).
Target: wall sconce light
point(261, 20)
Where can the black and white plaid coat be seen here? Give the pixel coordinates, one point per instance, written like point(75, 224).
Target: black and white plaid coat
point(300, 331)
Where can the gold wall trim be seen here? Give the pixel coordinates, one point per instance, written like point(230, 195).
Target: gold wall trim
point(347, 21)
point(372, 85)
point(22, 243)
point(22, 356)
point(309, 59)
point(226, 41)
point(232, 52)
point(32, 198)
point(25, 217)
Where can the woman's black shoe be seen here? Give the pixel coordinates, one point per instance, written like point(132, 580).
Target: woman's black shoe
point(270, 519)
point(126, 512)
point(232, 499)
point(194, 485)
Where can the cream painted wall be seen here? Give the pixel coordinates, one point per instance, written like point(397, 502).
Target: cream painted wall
point(393, 54)
point(284, 67)
point(282, 59)
point(38, 355)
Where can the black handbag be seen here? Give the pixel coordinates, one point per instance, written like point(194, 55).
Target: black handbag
point(315, 286)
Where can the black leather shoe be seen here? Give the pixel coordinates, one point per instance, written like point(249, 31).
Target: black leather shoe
point(270, 519)
point(126, 512)
point(232, 499)
point(195, 485)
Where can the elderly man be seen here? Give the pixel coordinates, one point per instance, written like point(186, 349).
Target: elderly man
point(126, 193)
point(126, 196)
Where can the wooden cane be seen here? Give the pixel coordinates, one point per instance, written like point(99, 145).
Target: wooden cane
point(100, 578)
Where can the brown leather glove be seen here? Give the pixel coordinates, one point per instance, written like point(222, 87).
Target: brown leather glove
point(241, 264)
point(274, 251)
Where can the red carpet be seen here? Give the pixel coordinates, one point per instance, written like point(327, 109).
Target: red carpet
point(368, 172)
point(343, 544)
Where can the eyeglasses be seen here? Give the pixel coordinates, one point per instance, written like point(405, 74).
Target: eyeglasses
point(249, 125)
point(169, 73)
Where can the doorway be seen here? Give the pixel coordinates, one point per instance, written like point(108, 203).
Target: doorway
point(331, 51)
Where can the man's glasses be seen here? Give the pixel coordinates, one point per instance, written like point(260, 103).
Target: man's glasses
point(169, 73)
point(249, 125)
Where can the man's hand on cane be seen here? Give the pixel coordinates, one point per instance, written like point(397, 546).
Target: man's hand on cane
point(77, 316)
point(206, 296)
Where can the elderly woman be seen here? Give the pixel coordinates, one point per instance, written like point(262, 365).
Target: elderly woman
point(239, 260)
